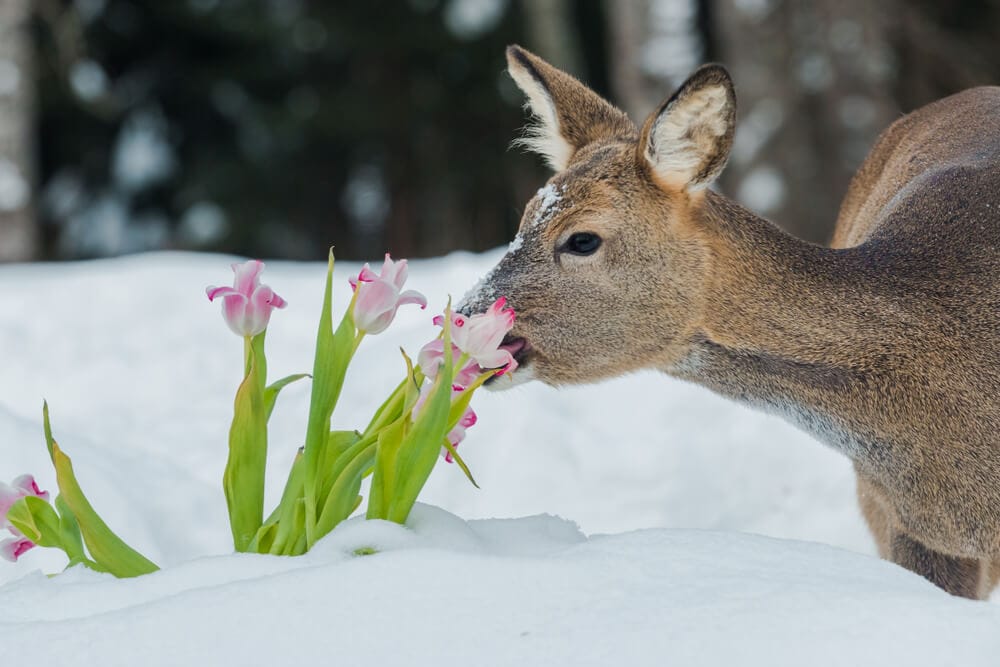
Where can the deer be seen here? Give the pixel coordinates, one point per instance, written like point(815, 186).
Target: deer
point(884, 345)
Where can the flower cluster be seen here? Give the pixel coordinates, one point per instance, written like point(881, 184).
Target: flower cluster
point(425, 416)
point(11, 548)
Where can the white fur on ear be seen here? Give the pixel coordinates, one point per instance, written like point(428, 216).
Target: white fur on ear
point(543, 136)
point(687, 141)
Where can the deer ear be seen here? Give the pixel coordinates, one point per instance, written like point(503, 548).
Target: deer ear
point(568, 115)
point(686, 142)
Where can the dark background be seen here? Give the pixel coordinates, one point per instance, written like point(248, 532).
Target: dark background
point(275, 128)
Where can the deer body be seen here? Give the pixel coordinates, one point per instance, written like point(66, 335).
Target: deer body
point(885, 346)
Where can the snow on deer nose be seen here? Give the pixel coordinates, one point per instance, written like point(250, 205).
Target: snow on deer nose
point(380, 295)
point(247, 305)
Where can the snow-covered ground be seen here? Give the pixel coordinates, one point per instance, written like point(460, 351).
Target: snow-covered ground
point(658, 485)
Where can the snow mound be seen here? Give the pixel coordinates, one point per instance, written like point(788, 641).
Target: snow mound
point(529, 591)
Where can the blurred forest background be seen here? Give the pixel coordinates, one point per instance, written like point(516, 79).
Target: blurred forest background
point(275, 128)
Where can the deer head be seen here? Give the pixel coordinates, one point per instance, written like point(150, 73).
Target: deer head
point(606, 270)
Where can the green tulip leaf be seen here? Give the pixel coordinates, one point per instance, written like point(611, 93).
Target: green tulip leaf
point(334, 350)
point(36, 520)
point(110, 552)
point(273, 389)
point(459, 462)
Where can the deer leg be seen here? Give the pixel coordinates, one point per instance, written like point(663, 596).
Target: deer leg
point(958, 576)
point(874, 508)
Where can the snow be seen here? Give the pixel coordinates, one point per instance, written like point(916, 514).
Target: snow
point(516, 244)
point(694, 530)
point(548, 198)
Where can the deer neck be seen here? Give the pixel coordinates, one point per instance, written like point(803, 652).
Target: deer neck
point(784, 325)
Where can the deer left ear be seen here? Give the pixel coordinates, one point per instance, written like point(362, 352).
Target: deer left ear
point(686, 142)
point(568, 114)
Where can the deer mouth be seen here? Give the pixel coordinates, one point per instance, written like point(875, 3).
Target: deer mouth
point(518, 347)
point(521, 350)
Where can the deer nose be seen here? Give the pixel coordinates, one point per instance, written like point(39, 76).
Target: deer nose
point(472, 304)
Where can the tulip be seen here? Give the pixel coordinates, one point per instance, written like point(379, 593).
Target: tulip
point(247, 305)
point(480, 336)
point(380, 295)
point(431, 359)
point(24, 485)
point(12, 548)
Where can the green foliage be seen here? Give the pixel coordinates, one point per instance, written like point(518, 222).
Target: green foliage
point(78, 519)
point(281, 112)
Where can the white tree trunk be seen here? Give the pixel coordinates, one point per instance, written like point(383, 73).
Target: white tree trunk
point(18, 235)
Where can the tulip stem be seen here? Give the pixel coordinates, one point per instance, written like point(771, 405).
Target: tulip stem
point(247, 354)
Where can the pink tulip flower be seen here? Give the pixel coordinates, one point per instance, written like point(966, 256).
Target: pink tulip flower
point(380, 295)
point(21, 487)
point(247, 305)
point(480, 336)
point(12, 548)
point(431, 359)
point(457, 434)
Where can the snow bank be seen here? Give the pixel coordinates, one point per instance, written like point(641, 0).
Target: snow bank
point(529, 591)
point(139, 371)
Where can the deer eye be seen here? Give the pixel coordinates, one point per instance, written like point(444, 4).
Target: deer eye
point(582, 243)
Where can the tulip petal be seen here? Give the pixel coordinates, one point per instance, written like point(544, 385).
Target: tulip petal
point(468, 375)
point(375, 300)
point(396, 274)
point(430, 357)
point(234, 308)
point(213, 292)
point(247, 275)
point(12, 548)
point(498, 359)
point(8, 496)
point(412, 296)
point(29, 486)
point(277, 301)
point(365, 276)
point(469, 419)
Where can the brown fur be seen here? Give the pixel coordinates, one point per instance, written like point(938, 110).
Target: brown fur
point(885, 346)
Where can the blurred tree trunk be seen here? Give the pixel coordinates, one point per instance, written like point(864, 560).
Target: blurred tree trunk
point(655, 45)
point(18, 235)
point(815, 81)
point(552, 34)
point(943, 48)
